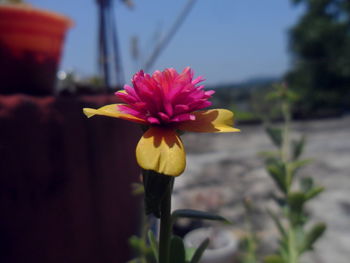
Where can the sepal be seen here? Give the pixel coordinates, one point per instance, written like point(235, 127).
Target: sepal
point(155, 185)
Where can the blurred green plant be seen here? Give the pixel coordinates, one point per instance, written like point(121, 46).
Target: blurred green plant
point(146, 246)
point(282, 166)
point(245, 116)
point(249, 244)
point(141, 244)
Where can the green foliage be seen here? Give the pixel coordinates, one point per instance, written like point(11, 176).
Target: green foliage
point(273, 259)
point(137, 189)
point(283, 166)
point(298, 148)
point(246, 99)
point(245, 116)
point(142, 249)
point(275, 135)
point(277, 171)
point(148, 249)
point(177, 250)
point(153, 244)
point(320, 44)
point(281, 92)
point(179, 254)
point(278, 223)
point(312, 236)
point(249, 244)
point(189, 213)
point(199, 251)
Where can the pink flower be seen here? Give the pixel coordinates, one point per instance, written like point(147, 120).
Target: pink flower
point(166, 101)
point(165, 98)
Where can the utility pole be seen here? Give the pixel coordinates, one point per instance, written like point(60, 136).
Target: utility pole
point(109, 60)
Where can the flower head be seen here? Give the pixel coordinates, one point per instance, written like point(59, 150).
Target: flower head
point(164, 98)
point(166, 102)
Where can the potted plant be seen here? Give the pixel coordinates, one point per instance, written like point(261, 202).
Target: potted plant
point(31, 42)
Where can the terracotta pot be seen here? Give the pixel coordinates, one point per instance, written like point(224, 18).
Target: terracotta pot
point(31, 42)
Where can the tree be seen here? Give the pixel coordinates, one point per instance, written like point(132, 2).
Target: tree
point(320, 44)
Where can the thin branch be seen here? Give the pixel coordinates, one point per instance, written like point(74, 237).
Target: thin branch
point(175, 27)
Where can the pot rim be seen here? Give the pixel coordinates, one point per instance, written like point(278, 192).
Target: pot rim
point(29, 9)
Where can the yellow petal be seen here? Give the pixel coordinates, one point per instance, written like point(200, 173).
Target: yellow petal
point(161, 150)
point(112, 111)
point(216, 120)
point(122, 91)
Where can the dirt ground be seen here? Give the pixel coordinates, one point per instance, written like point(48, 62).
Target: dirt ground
point(223, 169)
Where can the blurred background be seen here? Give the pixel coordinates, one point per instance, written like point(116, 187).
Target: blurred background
point(64, 192)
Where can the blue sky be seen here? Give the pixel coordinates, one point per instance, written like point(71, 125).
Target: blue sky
point(222, 40)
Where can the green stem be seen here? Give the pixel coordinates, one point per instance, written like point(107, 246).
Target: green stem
point(165, 226)
point(292, 249)
point(286, 139)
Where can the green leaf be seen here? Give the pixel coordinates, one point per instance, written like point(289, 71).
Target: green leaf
point(269, 154)
point(154, 244)
point(273, 259)
point(275, 135)
point(277, 222)
point(277, 171)
point(142, 250)
point(189, 253)
point(135, 242)
point(177, 250)
point(189, 213)
point(294, 166)
point(137, 189)
point(314, 192)
point(311, 237)
point(296, 201)
point(306, 184)
point(200, 250)
point(298, 148)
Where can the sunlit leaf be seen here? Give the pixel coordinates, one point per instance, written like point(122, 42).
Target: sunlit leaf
point(189, 253)
point(137, 189)
point(200, 250)
point(154, 244)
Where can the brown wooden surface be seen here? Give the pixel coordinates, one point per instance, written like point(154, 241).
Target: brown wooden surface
point(65, 181)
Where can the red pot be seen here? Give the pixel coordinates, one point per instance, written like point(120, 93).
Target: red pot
point(31, 42)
